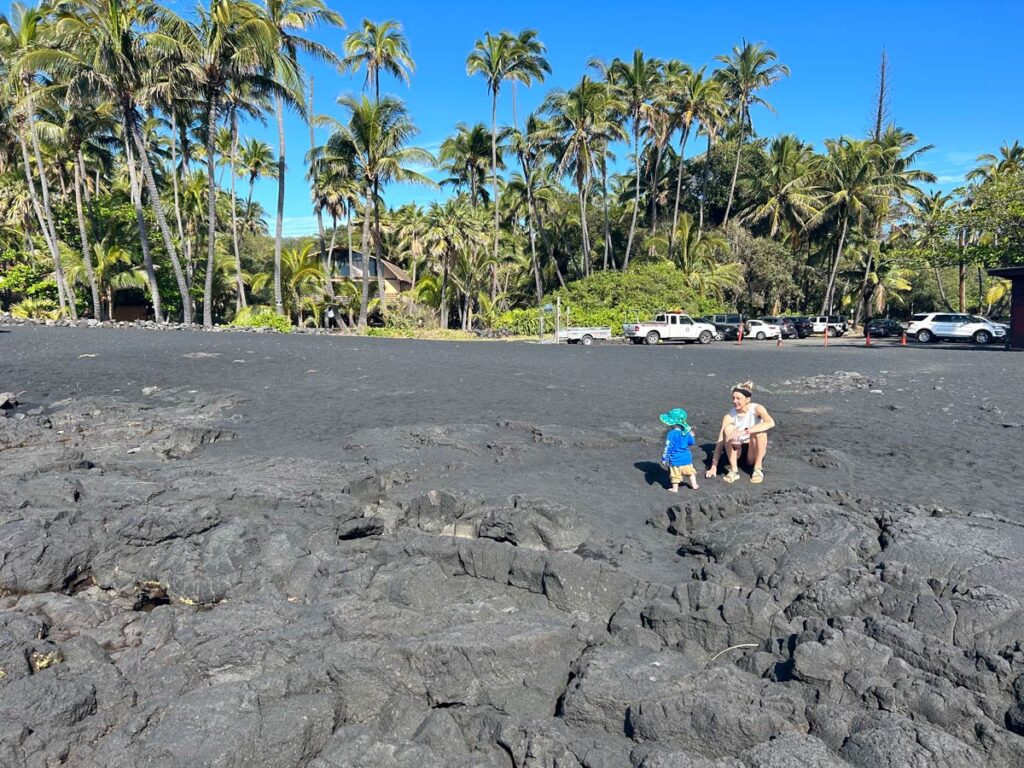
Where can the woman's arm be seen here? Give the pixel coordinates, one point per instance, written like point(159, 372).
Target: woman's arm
point(767, 422)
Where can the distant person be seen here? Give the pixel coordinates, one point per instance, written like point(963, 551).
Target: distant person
point(676, 457)
point(746, 425)
point(331, 319)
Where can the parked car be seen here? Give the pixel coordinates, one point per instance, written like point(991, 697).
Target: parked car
point(936, 326)
point(788, 327)
point(586, 336)
point(882, 327)
point(761, 330)
point(834, 325)
point(669, 326)
point(724, 331)
point(804, 326)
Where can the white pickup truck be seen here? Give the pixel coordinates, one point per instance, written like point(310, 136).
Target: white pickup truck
point(586, 336)
point(669, 326)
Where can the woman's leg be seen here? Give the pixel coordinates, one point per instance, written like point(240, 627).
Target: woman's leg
point(732, 450)
point(756, 449)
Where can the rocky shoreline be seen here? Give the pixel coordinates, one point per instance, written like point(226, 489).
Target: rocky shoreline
point(170, 595)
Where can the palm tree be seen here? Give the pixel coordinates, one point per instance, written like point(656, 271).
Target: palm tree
point(637, 83)
point(465, 156)
point(580, 119)
point(289, 17)
point(379, 47)
point(854, 182)
point(529, 147)
point(20, 35)
point(498, 58)
point(234, 44)
point(374, 142)
point(931, 224)
point(748, 69)
point(695, 99)
point(119, 47)
point(697, 255)
point(1009, 160)
point(785, 196)
point(451, 228)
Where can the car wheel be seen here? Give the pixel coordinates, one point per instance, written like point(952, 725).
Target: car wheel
point(982, 337)
point(760, 336)
point(588, 340)
point(652, 338)
point(925, 336)
point(705, 337)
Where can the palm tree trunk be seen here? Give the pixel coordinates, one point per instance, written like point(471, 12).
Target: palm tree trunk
point(325, 256)
point(636, 191)
point(533, 246)
point(942, 289)
point(211, 212)
point(679, 187)
point(443, 310)
point(278, 303)
point(239, 285)
point(494, 188)
point(736, 167)
point(41, 220)
point(174, 178)
point(97, 309)
point(608, 256)
point(365, 298)
point(827, 305)
point(585, 235)
point(44, 187)
point(161, 219)
point(961, 272)
point(377, 251)
point(140, 220)
point(704, 186)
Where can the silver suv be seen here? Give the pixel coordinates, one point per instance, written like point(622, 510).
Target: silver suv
point(935, 326)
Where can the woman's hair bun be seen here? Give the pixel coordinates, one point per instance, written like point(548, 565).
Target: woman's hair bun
point(747, 385)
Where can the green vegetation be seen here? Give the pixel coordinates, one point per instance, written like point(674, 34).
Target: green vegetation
point(124, 178)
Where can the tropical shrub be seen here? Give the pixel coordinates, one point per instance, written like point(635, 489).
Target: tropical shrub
point(262, 317)
point(35, 309)
point(612, 298)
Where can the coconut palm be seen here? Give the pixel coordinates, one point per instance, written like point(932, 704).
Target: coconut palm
point(749, 68)
point(373, 142)
point(637, 84)
point(581, 121)
point(122, 49)
point(854, 182)
point(233, 45)
point(379, 46)
point(785, 196)
point(1009, 160)
point(498, 58)
point(289, 17)
point(25, 31)
point(465, 156)
point(452, 229)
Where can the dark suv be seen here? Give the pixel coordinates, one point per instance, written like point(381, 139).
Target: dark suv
point(789, 329)
point(726, 331)
point(882, 327)
point(804, 327)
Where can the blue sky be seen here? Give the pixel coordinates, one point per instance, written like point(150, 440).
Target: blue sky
point(956, 69)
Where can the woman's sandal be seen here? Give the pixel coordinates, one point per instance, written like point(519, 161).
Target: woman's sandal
point(731, 477)
point(757, 476)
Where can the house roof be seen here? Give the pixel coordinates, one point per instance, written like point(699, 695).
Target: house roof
point(1008, 272)
point(391, 270)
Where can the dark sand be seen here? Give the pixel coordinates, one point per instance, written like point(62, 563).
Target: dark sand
point(330, 551)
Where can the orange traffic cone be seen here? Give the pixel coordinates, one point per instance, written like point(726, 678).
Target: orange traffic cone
point(739, 334)
point(867, 339)
point(778, 341)
point(826, 336)
point(903, 339)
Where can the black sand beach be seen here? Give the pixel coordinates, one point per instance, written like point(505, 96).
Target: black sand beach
point(262, 550)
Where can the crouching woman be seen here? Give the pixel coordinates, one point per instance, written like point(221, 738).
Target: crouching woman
point(745, 426)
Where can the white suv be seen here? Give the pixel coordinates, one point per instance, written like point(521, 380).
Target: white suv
point(955, 327)
point(761, 330)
